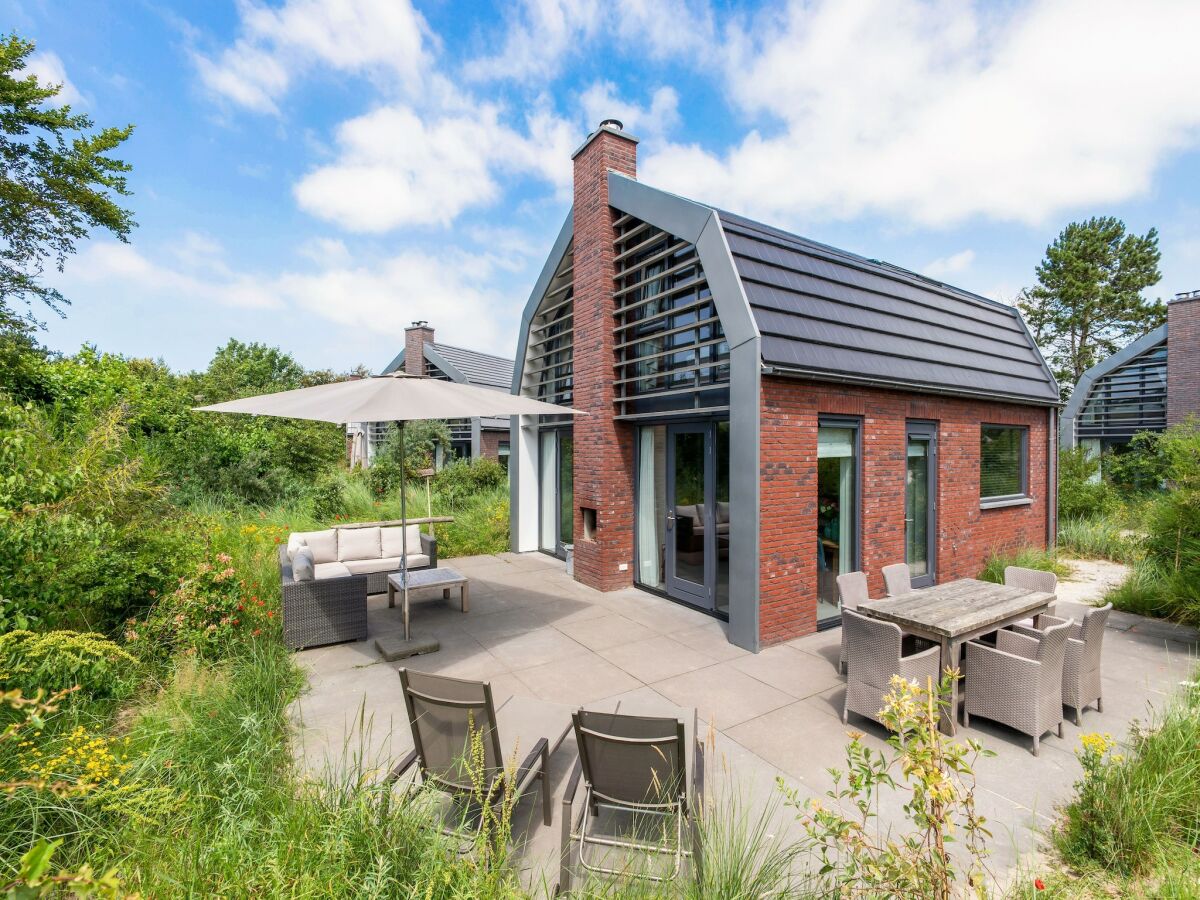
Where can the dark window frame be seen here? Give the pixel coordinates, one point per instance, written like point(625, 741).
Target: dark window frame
point(1022, 462)
point(855, 423)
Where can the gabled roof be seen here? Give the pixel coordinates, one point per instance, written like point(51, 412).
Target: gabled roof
point(828, 313)
point(461, 364)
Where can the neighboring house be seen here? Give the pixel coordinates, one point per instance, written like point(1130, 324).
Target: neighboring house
point(765, 412)
point(1152, 383)
point(470, 438)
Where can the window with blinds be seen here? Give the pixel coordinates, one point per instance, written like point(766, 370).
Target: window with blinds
point(1129, 399)
point(1003, 462)
point(672, 355)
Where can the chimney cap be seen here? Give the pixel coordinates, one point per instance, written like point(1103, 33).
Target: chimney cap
point(610, 126)
point(420, 323)
point(1186, 295)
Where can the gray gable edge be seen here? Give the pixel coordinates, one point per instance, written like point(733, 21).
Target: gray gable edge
point(557, 252)
point(444, 364)
point(1079, 396)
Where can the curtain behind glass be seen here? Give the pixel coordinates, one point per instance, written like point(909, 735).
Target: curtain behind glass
point(549, 491)
point(649, 522)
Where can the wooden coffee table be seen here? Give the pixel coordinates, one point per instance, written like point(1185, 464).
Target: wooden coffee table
point(424, 579)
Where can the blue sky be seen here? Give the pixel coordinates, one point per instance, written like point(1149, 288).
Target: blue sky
point(316, 175)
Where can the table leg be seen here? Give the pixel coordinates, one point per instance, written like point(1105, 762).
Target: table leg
point(950, 661)
point(465, 597)
point(404, 603)
point(391, 596)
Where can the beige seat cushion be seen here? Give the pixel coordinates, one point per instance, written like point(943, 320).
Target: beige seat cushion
point(358, 543)
point(330, 570)
point(367, 566)
point(323, 544)
point(390, 540)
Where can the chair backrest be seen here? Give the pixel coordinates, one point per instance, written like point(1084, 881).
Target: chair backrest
point(872, 647)
point(446, 714)
point(637, 761)
point(852, 589)
point(897, 579)
point(1030, 579)
point(1091, 632)
point(1051, 651)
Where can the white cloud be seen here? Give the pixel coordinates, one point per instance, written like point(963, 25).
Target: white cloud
point(48, 67)
point(650, 123)
point(200, 275)
point(541, 35)
point(949, 265)
point(325, 251)
point(275, 44)
point(394, 168)
point(936, 112)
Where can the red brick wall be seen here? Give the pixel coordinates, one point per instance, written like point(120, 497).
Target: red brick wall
point(603, 477)
point(966, 534)
point(1183, 359)
point(489, 443)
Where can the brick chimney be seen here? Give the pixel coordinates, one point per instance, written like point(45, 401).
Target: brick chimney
point(603, 476)
point(416, 336)
point(1183, 357)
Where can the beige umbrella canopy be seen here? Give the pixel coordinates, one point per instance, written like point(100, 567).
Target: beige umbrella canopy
point(390, 398)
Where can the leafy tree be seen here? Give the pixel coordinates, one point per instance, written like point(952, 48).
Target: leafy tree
point(1088, 301)
point(58, 181)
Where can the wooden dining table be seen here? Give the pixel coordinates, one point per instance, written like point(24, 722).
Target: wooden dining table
point(955, 612)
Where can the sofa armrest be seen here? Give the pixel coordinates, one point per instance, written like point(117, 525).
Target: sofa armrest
point(285, 566)
point(429, 548)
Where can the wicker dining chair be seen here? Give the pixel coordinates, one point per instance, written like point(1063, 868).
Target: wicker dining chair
point(1031, 579)
point(897, 579)
point(1019, 681)
point(874, 654)
point(852, 593)
point(1082, 684)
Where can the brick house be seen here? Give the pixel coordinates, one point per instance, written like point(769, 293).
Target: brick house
point(765, 412)
point(470, 438)
point(1150, 384)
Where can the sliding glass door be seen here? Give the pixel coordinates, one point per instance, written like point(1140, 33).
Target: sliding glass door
point(837, 511)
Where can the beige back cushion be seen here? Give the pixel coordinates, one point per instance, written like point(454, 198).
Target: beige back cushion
point(322, 543)
point(358, 543)
point(391, 537)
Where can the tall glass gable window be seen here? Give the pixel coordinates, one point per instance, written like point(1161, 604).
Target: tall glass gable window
point(556, 509)
point(1003, 462)
point(1127, 400)
point(837, 510)
point(671, 350)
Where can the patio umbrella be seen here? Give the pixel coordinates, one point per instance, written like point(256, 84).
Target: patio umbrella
point(396, 397)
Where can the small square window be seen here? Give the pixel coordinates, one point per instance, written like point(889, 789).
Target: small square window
point(1003, 462)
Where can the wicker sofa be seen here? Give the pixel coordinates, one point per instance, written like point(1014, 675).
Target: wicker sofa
point(350, 563)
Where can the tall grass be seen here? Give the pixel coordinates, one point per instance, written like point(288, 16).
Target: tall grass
point(1098, 538)
point(1136, 809)
point(1026, 558)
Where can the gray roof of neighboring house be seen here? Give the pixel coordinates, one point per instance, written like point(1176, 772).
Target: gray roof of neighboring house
point(469, 366)
point(474, 367)
point(827, 313)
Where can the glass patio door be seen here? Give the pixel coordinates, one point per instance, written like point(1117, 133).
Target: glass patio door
point(920, 503)
point(690, 531)
point(556, 480)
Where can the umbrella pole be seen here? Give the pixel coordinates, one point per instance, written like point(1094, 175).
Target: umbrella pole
point(404, 527)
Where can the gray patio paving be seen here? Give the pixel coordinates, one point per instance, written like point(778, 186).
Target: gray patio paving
point(533, 632)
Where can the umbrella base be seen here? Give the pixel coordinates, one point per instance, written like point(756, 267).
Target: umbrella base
point(394, 647)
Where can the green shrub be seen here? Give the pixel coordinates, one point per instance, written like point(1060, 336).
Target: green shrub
point(1026, 558)
point(206, 615)
point(480, 526)
point(57, 660)
point(1131, 807)
point(421, 440)
point(467, 478)
point(328, 499)
point(1139, 466)
point(1082, 494)
point(383, 477)
point(86, 529)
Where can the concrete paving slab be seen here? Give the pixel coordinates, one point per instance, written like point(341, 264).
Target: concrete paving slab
point(656, 658)
point(577, 680)
point(722, 694)
point(790, 670)
point(607, 631)
point(533, 648)
point(710, 638)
